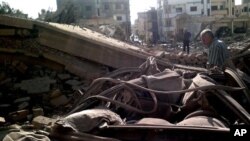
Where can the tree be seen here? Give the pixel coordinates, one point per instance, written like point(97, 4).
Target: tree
point(6, 9)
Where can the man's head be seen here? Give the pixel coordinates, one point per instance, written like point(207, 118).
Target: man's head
point(207, 37)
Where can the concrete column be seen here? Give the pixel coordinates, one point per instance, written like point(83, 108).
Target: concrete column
point(232, 27)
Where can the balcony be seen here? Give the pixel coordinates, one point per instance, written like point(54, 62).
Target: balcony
point(218, 12)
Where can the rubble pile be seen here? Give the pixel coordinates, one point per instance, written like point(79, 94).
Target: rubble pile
point(28, 91)
point(196, 59)
point(45, 96)
point(198, 53)
point(236, 47)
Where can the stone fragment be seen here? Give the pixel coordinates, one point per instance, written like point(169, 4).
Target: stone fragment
point(59, 101)
point(37, 112)
point(23, 105)
point(40, 122)
point(6, 81)
point(64, 76)
point(55, 93)
point(2, 120)
point(160, 54)
point(22, 67)
point(19, 115)
point(37, 85)
point(15, 63)
point(73, 82)
point(24, 99)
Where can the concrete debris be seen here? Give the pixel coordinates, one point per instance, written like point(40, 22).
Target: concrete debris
point(19, 115)
point(39, 90)
point(23, 105)
point(64, 76)
point(23, 99)
point(59, 101)
point(2, 120)
point(43, 78)
point(73, 82)
point(37, 85)
point(40, 122)
point(55, 93)
point(37, 112)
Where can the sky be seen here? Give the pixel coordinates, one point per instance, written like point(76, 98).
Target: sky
point(33, 7)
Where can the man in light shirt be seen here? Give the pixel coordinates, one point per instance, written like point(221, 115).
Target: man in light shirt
point(218, 55)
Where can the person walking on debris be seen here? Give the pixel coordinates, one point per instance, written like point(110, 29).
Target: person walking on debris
point(218, 55)
point(186, 40)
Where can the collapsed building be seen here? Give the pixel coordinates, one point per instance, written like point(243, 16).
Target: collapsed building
point(63, 82)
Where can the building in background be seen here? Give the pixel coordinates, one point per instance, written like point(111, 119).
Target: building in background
point(146, 26)
point(94, 13)
point(174, 16)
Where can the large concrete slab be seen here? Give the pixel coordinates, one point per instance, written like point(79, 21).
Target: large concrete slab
point(86, 44)
point(16, 22)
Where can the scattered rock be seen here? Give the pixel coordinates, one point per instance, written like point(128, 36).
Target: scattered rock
point(24, 99)
point(37, 85)
point(37, 112)
point(40, 122)
point(55, 93)
point(23, 105)
point(2, 120)
point(59, 101)
point(73, 82)
point(63, 76)
point(19, 115)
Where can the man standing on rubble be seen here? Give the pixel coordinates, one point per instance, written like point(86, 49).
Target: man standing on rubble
point(218, 55)
point(186, 40)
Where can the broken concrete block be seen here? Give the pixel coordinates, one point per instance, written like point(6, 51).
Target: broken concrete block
point(180, 54)
point(15, 63)
point(73, 82)
point(5, 109)
point(37, 112)
point(63, 76)
point(23, 105)
point(59, 101)
point(53, 74)
point(6, 81)
point(160, 54)
point(55, 93)
point(75, 88)
point(19, 115)
point(40, 122)
point(2, 121)
point(22, 67)
point(37, 85)
point(24, 99)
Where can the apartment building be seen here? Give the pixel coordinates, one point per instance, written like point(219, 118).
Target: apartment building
point(243, 10)
point(177, 15)
point(93, 13)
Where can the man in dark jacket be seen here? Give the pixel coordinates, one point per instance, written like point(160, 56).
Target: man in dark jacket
point(186, 40)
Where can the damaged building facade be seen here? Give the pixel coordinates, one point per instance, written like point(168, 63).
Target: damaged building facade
point(94, 13)
point(176, 16)
point(146, 26)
